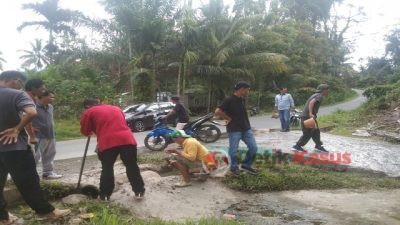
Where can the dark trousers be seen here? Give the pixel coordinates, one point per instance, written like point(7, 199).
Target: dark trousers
point(128, 154)
point(308, 133)
point(22, 168)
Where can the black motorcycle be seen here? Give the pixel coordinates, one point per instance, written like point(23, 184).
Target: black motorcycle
point(295, 117)
point(254, 110)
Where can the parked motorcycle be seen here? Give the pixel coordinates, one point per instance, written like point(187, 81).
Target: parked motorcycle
point(158, 139)
point(295, 117)
point(254, 110)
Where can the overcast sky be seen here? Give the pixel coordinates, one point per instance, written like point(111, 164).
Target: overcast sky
point(382, 16)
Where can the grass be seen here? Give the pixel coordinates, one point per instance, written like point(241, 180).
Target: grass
point(67, 129)
point(155, 158)
point(300, 177)
point(104, 213)
point(349, 96)
point(345, 122)
point(51, 189)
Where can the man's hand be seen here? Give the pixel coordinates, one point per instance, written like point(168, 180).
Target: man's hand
point(170, 151)
point(9, 136)
point(35, 129)
point(228, 120)
point(313, 116)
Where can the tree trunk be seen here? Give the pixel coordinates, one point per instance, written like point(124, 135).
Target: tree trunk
point(178, 86)
point(209, 98)
point(184, 75)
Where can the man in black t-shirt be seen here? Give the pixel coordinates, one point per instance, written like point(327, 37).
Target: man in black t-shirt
point(233, 111)
point(310, 111)
point(180, 112)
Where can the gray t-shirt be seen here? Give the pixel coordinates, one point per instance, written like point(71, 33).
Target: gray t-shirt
point(12, 103)
point(44, 121)
point(306, 113)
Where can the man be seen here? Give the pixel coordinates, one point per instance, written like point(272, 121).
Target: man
point(233, 111)
point(310, 111)
point(46, 146)
point(34, 88)
point(180, 112)
point(15, 156)
point(114, 138)
point(191, 157)
point(283, 103)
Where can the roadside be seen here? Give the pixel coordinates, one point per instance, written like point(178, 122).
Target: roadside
point(336, 198)
point(75, 148)
point(68, 129)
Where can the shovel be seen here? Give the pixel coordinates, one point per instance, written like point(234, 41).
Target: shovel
point(83, 163)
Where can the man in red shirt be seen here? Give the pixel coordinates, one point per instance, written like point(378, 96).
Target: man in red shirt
point(114, 138)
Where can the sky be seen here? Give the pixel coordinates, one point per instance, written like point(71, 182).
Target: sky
point(369, 36)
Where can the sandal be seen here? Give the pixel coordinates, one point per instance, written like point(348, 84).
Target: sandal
point(183, 184)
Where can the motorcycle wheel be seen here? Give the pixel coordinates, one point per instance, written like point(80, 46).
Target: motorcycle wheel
point(156, 143)
point(207, 133)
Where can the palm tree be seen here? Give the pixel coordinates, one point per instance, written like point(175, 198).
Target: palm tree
point(56, 20)
point(1, 61)
point(228, 53)
point(142, 25)
point(36, 56)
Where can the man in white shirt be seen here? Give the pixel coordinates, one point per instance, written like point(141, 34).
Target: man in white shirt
point(284, 102)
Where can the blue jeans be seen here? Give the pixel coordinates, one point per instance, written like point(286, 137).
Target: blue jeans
point(284, 115)
point(248, 138)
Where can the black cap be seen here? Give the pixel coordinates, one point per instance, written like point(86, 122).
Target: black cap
point(241, 84)
point(321, 88)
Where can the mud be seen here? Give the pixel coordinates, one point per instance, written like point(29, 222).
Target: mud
point(213, 199)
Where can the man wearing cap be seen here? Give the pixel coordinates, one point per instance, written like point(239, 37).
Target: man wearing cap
point(234, 112)
point(180, 112)
point(310, 111)
point(191, 157)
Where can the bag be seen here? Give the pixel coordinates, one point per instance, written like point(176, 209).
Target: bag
point(310, 123)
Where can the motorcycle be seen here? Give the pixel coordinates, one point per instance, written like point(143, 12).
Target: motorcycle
point(254, 110)
point(295, 117)
point(158, 139)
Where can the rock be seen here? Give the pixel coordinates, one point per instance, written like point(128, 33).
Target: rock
point(120, 182)
point(229, 216)
point(74, 199)
point(151, 177)
point(217, 202)
point(361, 133)
point(152, 167)
point(75, 221)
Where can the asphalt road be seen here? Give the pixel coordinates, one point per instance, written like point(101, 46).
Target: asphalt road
point(75, 148)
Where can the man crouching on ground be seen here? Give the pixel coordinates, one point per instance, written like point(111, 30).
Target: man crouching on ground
point(191, 157)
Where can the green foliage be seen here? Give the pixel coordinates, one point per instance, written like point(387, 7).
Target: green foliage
point(67, 129)
point(345, 122)
point(383, 96)
point(143, 87)
point(55, 190)
point(105, 213)
point(298, 177)
point(72, 83)
point(150, 46)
